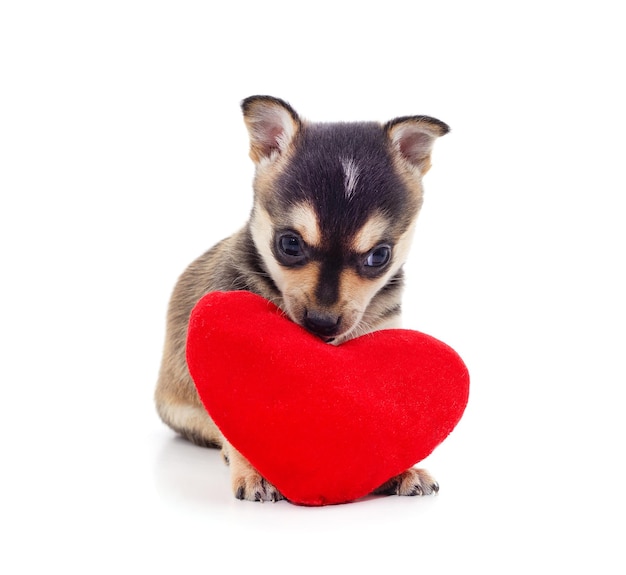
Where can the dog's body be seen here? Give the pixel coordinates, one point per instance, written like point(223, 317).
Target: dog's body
point(334, 210)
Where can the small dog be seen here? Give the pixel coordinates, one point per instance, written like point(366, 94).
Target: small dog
point(334, 211)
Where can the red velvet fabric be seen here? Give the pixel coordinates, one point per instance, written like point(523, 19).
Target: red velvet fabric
point(325, 424)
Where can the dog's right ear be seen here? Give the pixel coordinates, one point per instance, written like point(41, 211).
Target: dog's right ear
point(272, 125)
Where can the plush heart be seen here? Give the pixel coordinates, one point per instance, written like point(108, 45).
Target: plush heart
point(325, 424)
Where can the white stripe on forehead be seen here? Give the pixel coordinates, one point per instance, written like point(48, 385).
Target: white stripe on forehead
point(350, 176)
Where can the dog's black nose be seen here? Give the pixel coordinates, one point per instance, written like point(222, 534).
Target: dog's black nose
point(321, 324)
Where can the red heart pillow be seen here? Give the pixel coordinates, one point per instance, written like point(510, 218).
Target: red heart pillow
point(325, 424)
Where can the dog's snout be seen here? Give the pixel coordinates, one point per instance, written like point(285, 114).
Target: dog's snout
point(322, 324)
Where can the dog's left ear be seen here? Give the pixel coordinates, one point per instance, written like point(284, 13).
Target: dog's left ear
point(272, 125)
point(412, 138)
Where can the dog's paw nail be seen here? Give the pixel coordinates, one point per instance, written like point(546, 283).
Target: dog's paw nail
point(417, 490)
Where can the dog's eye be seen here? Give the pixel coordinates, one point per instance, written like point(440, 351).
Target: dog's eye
point(291, 246)
point(291, 249)
point(378, 257)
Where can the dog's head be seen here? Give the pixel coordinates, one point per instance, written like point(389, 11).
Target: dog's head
point(334, 211)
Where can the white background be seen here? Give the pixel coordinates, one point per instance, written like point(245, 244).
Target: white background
point(123, 156)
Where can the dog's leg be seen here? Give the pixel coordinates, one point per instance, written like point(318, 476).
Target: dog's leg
point(411, 482)
point(191, 422)
point(247, 482)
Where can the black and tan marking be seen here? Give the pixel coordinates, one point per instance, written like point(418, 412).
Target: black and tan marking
point(343, 192)
point(333, 216)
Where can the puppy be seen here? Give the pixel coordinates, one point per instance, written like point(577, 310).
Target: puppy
point(334, 211)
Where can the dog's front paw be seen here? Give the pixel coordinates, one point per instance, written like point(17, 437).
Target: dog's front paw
point(411, 482)
point(247, 482)
point(253, 487)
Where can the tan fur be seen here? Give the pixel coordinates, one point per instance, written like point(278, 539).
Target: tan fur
point(304, 221)
point(229, 265)
point(412, 168)
point(248, 482)
point(299, 285)
point(411, 482)
point(370, 234)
